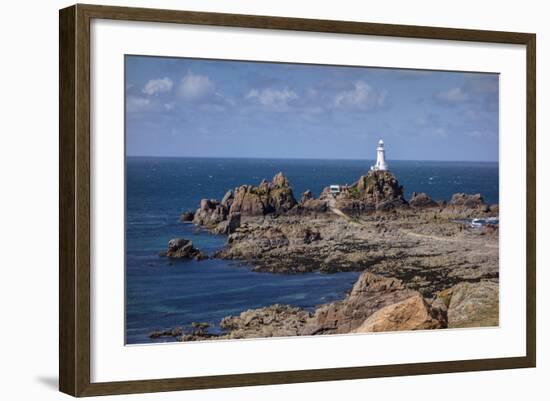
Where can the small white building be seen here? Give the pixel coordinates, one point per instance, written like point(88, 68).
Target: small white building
point(380, 157)
point(335, 189)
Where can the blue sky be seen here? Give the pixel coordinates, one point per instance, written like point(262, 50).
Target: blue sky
point(212, 108)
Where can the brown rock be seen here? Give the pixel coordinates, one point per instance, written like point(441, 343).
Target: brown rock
point(181, 248)
point(280, 181)
point(472, 304)
point(187, 216)
point(210, 213)
point(378, 190)
point(272, 321)
point(419, 200)
point(465, 200)
point(274, 197)
point(227, 199)
point(230, 225)
point(370, 293)
point(413, 313)
point(307, 195)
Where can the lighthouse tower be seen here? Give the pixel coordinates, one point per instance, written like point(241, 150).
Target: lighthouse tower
point(380, 157)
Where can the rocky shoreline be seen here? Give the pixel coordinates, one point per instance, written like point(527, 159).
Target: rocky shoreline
point(423, 267)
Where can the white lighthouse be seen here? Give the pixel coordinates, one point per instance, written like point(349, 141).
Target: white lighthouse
point(380, 157)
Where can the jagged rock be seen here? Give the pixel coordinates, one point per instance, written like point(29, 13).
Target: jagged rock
point(472, 304)
point(465, 205)
point(227, 199)
point(250, 201)
point(274, 197)
point(210, 213)
point(230, 225)
point(378, 190)
point(181, 248)
point(187, 216)
point(307, 195)
point(422, 199)
point(413, 313)
point(370, 293)
point(272, 321)
point(279, 181)
point(470, 201)
point(381, 189)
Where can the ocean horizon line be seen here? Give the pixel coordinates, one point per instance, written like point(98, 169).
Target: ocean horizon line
point(306, 158)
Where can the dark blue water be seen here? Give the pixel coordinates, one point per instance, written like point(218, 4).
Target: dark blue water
point(163, 294)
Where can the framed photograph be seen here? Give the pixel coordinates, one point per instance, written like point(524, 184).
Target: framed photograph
point(249, 200)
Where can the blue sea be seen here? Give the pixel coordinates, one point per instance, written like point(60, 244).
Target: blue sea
point(162, 294)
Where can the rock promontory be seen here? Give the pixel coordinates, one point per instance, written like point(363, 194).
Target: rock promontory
point(375, 191)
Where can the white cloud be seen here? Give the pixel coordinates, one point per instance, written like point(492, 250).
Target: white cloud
point(135, 104)
point(195, 87)
point(160, 85)
point(273, 99)
point(362, 97)
point(453, 95)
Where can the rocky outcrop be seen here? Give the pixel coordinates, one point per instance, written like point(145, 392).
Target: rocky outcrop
point(181, 248)
point(229, 225)
point(420, 200)
point(413, 313)
point(210, 213)
point(306, 196)
point(309, 205)
point(274, 197)
point(465, 200)
point(227, 199)
point(370, 293)
point(378, 190)
point(472, 304)
point(272, 321)
point(187, 216)
point(467, 205)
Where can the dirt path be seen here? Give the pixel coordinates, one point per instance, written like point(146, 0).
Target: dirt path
point(436, 238)
point(349, 219)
